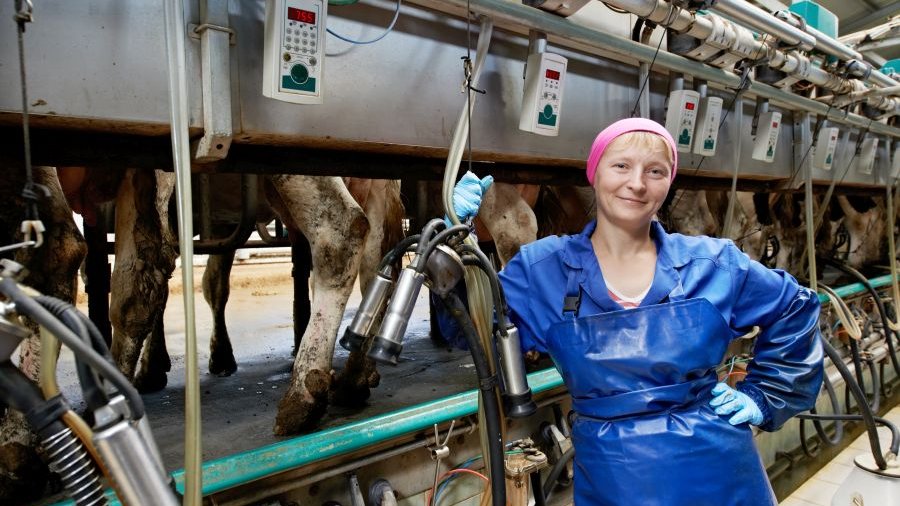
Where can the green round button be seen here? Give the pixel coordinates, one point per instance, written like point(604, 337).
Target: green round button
point(299, 73)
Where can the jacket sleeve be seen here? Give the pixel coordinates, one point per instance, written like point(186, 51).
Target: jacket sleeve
point(516, 280)
point(785, 375)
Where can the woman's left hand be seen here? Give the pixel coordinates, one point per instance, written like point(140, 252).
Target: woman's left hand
point(727, 400)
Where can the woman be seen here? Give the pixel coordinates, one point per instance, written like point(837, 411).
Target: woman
point(637, 319)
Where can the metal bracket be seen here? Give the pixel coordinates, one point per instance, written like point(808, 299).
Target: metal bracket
point(216, 80)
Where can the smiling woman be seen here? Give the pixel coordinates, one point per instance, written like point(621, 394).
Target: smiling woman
point(636, 320)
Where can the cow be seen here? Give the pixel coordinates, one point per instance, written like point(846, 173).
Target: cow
point(324, 210)
point(52, 270)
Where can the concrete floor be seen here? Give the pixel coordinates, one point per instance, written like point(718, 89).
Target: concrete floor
point(818, 490)
point(238, 412)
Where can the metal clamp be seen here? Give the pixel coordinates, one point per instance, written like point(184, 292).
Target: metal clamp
point(195, 31)
point(440, 451)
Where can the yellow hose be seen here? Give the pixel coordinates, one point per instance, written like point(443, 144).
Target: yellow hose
point(50, 388)
point(843, 313)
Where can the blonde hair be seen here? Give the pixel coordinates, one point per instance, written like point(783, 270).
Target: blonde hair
point(642, 140)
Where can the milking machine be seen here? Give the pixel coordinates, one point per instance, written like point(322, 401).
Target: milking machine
point(875, 478)
point(120, 443)
point(440, 255)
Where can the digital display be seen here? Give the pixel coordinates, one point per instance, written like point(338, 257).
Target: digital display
point(689, 106)
point(301, 15)
point(553, 74)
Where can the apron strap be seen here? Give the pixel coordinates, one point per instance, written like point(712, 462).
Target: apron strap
point(572, 301)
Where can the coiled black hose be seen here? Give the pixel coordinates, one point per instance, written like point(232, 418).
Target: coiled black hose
point(486, 383)
point(66, 455)
point(77, 472)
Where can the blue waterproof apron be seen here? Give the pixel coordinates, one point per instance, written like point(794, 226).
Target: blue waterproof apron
point(644, 434)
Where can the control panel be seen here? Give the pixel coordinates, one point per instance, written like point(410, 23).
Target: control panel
point(707, 133)
point(895, 162)
point(681, 117)
point(865, 160)
point(541, 101)
point(766, 141)
point(826, 144)
point(294, 50)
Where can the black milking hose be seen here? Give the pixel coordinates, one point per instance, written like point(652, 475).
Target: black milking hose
point(556, 471)
point(394, 254)
point(846, 269)
point(895, 432)
point(27, 306)
point(94, 395)
point(423, 253)
point(481, 261)
point(866, 414)
point(487, 384)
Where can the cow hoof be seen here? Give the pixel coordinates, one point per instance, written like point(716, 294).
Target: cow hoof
point(23, 476)
point(222, 365)
point(300, 412)
point(349, 392)
point(150, 382)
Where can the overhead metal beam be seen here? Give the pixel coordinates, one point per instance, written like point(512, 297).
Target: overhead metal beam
point(876, 17)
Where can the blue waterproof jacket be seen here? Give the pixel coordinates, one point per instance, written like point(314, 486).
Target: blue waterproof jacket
point(640, 379)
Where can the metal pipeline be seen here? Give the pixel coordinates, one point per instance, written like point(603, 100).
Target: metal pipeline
point(181, 155)
point(763, 22)
point(722, 34)
point(584, 38)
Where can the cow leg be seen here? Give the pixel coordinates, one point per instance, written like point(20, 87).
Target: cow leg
point(384, 210)
point(52, 270)
point(145, 259)
point(336, 228)
point(155, 361)
point(508, 218)
point(216, 290)
point(301, 265)
point(97, 274)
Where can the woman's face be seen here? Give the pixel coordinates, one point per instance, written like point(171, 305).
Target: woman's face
point(632, 180)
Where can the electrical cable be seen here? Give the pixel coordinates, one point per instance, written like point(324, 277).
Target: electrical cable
point(376, 39)
point(433, 501)
point(647, 79)
point(29, 307)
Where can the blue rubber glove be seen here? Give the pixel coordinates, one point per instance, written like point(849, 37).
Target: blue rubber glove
point(467, 194)
point(727, 400)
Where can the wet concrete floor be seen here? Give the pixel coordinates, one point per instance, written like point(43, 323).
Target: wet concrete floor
point(238, 411)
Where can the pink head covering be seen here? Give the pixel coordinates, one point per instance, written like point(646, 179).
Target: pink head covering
point(624, 126)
